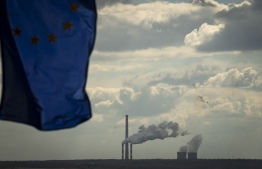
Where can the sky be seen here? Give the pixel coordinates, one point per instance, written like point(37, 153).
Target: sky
point(196, 63)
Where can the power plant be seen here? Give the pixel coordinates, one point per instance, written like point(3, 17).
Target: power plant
point(192, 156)
point(181, 155)
point(186, 155)
point(190, 149)
point(152, 132)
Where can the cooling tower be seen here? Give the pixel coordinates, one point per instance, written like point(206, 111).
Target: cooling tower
point(192, 156)
point(181, 155)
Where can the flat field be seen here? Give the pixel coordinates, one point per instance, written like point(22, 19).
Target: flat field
point(134, 164)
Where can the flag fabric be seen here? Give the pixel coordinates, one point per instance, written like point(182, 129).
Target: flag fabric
point(45, 48)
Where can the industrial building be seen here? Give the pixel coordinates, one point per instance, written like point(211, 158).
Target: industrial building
point(181, 155)
point(192, 156)
point(185, 155)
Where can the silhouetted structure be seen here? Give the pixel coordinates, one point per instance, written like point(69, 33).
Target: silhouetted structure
point(192, 156)
point(126, 145)
point(181, 155)
point(131, 151)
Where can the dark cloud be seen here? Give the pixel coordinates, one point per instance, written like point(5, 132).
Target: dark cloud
point(204, 3)
point(242, 29)
point(257, 5)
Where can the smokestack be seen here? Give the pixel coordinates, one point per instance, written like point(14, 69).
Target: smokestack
point(126, 145)
point(181, 155)
point(131, 151)
point(122, 151)
point(192, 155)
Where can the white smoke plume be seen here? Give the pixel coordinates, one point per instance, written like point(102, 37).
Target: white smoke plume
point(183, 149)
point(153, 132)
point(193, 145)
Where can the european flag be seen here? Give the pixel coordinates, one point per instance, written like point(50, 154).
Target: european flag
point(45, 48)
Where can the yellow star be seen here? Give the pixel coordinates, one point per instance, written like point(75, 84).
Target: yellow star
point(52, 38)
point(67, 25)
point(17, 31)
point(34, 40)
point(74, 7)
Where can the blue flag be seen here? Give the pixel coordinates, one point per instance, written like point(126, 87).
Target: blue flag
point(45, 48)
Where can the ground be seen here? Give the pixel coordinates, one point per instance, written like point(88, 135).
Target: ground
point(133, 164)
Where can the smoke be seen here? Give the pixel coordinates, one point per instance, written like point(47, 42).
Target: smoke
point(183, 149)
point(193, 145)
point(153, 132)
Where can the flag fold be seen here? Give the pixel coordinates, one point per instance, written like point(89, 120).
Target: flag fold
point(45, 48)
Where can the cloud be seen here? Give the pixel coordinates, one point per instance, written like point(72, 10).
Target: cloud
point(203, 35)
point(147, 14)
point(141, 102)
point(171, 95)
point(98, 118)
point(241, 30)
point(102, 3)
point(192, 77)
point(153, 53)
point(157, 24)
point(246, 78)
point(209, 3)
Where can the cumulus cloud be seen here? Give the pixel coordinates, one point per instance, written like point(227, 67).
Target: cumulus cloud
point(149, 53)
point(203, 35)
point(158, 24)
point(204, 24)
point(103, 3)
point(192, 77)
point(242, 29)
point(170, 96)
point(147, 14)
point(248, 78)
point(143, 102)
point(210, 3)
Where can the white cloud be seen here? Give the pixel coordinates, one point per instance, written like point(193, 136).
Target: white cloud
point(245, 3)
point(149, 53)
point(148, 25)
point(193, 77)
point(248, 78)
point(146, 14)
point(97, 118)
point(242, 28)
point(204, 34)
point(165, 101)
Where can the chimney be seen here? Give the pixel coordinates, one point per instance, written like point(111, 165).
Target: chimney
point(122, 151)
point(181, 155)
point(192, 156)
point(131, 151)
point(126, 150)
